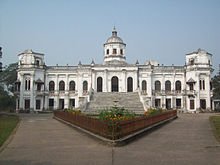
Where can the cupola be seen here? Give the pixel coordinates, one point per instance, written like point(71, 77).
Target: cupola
point(114, 48)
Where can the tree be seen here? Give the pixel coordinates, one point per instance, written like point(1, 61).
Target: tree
point(216, 87)
point(7, 79)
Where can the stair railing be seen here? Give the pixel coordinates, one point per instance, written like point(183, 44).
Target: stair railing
point(142, 99)
point(87, 99)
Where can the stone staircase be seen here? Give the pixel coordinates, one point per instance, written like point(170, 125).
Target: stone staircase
point(103, 100)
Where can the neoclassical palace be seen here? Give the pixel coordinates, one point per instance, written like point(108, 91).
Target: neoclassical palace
point(186, 88)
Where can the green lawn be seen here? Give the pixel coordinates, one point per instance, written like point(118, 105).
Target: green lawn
point(215, 121)
point(7, 124)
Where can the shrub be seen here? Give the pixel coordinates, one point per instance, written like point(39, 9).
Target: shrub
point(72, 111)
point(116, 114)
point(152, 111)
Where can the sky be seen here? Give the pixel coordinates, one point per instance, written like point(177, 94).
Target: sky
point(69, 31)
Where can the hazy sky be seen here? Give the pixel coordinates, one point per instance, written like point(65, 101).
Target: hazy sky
point(67, 31)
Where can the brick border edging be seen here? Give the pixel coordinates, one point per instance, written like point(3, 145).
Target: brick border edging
point(11, 136)
point(122, 141)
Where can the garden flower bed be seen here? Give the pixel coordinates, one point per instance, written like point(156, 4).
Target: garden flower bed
point(114, 123)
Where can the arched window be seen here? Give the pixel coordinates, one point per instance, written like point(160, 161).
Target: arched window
point(62, 85)
point(144, 85)
point(72, 86)
point(99, 84)
point(27, 84)
point(157, 85)
point(107, 51)
point(200, 84)
point(51, 86)
point(203, 84)
point(85, 86)
point(130, 84)
point(167, 85)
point(178, 85)
point(114, 82)
point(191, 61)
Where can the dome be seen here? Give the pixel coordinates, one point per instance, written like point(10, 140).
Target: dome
point(114, 38)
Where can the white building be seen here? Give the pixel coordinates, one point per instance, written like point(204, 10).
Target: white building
point(41, 87)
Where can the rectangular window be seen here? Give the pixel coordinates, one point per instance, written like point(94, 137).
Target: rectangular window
point(114, 51)
point(191, 87)
point(121, 51)
point(38, 87)
point(192, 104)
point(38, 104)
point(107, 52)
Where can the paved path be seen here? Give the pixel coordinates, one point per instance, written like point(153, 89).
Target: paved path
point(41, 140)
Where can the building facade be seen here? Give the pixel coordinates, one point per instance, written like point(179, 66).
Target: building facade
point(186, 88)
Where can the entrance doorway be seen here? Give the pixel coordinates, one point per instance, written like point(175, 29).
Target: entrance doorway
point(51, 103)
point(61, 104)
point(99, 84)
point(130, 84)
point(192, 104)
point(114, 84)
point(37, 104)
point(27, 104)
point(203, 104)
point(157, 103)
point(168, 103)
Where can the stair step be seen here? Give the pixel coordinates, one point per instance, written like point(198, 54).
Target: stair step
point(103, 100)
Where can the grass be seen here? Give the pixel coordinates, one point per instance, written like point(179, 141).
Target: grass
point(7, 125)
point(215, 122)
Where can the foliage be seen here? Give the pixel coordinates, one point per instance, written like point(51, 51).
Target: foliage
point(153, 111)
point(216, 87)
point(7, 124)
point(7, 78)
point(215, 122)
point(115, 114)
point(72, 111)
point(7, 102)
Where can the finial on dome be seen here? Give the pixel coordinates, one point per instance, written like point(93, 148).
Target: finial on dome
point(114, 32)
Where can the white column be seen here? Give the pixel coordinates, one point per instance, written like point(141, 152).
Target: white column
point(197, 89)
point(208, 94)
point(67, 83)
point(80, 86)
point(124, 81)
point(21, 99)
point(56, 93)
point(135, 81)
point(66, 102)
point(32, 90)
point(149, 88)
point(105, 81)
point(94, 85)
point(163, 89)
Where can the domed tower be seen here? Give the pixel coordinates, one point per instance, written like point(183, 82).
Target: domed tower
point(114, 48)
